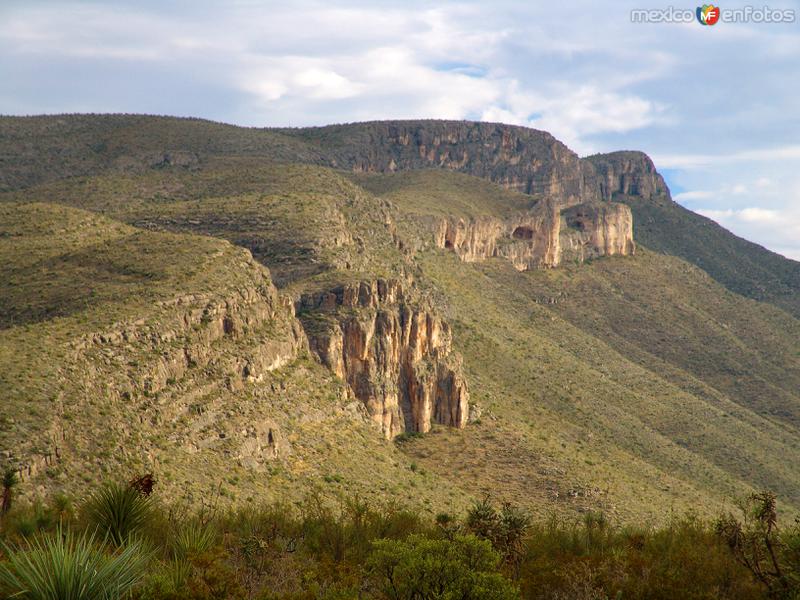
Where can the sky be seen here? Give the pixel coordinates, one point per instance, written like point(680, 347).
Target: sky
point(716, 107)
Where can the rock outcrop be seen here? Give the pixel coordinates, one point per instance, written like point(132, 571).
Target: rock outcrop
point(591, 230)
point(185, 336)
point(519, 158)
point(530, 240)
point(542, 238)
point(394, 353)
point(627, 173)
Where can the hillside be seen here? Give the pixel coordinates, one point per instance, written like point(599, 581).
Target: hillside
point(277, 310)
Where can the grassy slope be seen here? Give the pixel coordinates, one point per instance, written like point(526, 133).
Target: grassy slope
point(57, 397)
point(36, 150)
point(648, 359)
point(631, 385)
point(741, 266)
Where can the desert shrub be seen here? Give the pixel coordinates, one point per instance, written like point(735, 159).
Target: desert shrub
point(505, 529)
point(762, 547)
point(10, 481)
point(592, 559)
point(66, 566)
point(420, 567)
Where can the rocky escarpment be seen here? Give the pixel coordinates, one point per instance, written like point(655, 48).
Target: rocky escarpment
point(519, 158)
point(596, 229)
point(170, 365)
point(394, 353)
point(627, 173)
point(529, 240)
point(542, 237)
point(184, 334)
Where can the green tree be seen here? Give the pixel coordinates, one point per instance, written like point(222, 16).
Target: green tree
point(10, 481)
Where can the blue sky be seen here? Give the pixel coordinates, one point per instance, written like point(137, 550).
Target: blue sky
point(716, 107)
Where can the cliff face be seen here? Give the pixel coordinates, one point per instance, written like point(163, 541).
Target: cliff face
point(519, 158)
point(627, 173)
point(596, 229)
point(395, 355)
point(528, 241)
point(523, 159)
point(543, 238)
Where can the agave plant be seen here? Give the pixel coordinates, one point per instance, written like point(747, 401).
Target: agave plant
point(120, 511)
point(63, 566)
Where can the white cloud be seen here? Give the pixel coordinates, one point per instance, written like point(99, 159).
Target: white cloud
point(703, 161)
point(596, 81)
point(693, 195)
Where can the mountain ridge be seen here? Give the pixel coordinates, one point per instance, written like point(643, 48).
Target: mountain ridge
point(591, 386)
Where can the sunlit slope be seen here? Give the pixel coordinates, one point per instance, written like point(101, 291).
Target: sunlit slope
point(125, 351)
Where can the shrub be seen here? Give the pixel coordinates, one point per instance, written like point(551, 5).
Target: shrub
point(10, 481)
point(419, 567)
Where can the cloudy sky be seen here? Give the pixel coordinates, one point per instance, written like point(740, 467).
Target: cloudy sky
point(716, 107)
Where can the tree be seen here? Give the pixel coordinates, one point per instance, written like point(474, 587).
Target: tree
point(505, 529)
point(10, 481)
point(757, 543)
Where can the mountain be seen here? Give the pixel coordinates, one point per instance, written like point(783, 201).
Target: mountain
point(412, 310)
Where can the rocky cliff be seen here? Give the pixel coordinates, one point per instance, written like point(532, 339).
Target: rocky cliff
point(519, 158)
point(627, 173)
point(596, 229)
point(175, 366)
point(542, 237)
point(394, 353)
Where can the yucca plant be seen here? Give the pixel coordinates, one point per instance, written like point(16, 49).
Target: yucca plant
point(118, 511)
point(193, 539)
point(63, 566)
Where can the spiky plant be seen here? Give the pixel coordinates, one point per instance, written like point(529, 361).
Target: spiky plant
point(193, 539)
point(63, 566)
point(118, 511)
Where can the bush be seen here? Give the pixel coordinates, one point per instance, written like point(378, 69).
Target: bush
point(193, 539)
point(420, 567)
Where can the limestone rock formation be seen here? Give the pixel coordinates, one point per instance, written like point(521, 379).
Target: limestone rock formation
point(393, 352)
point(184, 337)
point(596, 229)
point(542, 238)
point(628, 173)
point(519, 158)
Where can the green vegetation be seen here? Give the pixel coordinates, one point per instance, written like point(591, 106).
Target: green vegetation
point(357, 549)
point(65, 565)
point(119, 510)
point(640, 387)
